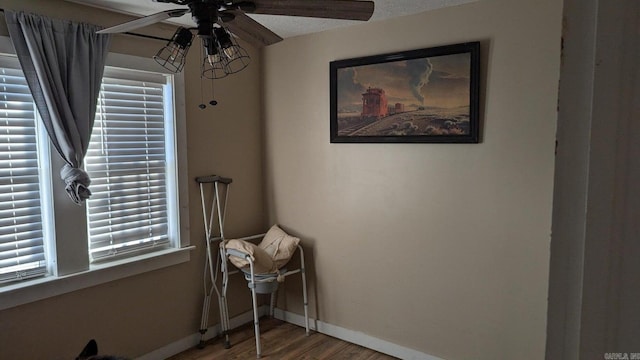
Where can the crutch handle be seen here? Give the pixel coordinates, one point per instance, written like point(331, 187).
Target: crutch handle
point(213, 178)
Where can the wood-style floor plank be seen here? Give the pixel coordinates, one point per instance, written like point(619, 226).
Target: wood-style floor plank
point(280, 341)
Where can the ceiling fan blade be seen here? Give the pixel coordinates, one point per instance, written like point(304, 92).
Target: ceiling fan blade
point(250, 30)
point(144, 21)
point(330, 9)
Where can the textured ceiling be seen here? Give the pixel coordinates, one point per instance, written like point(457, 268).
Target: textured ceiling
point(285, 26)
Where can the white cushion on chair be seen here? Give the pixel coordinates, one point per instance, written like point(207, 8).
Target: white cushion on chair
point(279, 245)
point(262, 262)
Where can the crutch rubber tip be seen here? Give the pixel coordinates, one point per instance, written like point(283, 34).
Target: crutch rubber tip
point(201, 345)
point(227, 344)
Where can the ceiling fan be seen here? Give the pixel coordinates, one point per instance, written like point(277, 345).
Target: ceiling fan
point(232, 15)
point(216, 21)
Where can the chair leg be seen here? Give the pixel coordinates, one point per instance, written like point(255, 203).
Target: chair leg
point(272, 303)
point(304, 291)
point(222, 300)
point(256, 322)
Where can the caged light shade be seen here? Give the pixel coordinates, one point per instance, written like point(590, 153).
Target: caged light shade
point(214, 62)
point(173, 55)
point(237, 57)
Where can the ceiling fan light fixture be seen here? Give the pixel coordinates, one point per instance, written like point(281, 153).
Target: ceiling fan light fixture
point(214, 65)
point(237, 57)
point(240, 59)
point(173, 55)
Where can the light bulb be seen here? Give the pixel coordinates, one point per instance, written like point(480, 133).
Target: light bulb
point(213, 59)
point(231, 52)
point(175, 51)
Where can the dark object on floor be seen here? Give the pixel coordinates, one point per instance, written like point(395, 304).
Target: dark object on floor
point(90, 352)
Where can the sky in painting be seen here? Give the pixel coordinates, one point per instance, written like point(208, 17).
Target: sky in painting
point(438, 81)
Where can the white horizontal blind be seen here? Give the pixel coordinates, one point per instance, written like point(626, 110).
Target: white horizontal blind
point(127, 164)
point(22, 253)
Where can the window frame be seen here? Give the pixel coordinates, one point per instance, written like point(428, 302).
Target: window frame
point(108, 158)
point(72, 269)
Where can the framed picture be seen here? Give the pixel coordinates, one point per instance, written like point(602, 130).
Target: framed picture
point(419, 96)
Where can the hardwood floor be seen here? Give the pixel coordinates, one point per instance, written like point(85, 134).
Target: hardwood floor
point(281, 341)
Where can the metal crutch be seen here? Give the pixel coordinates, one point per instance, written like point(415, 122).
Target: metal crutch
point(216, 208)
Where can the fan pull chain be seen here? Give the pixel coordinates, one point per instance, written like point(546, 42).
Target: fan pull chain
point(213, 102)
point(202, 106)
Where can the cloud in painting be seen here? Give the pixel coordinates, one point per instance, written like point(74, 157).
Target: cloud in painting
point(350, 89)
point(419, 71)
point(448, 90)
point(440, 81)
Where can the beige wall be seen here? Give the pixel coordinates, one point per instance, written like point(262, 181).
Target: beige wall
point(140, 314)
point(442, 248)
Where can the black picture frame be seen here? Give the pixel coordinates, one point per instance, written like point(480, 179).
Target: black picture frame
point(427, 95)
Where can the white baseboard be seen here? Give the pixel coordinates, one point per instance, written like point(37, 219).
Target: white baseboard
point(190, 341)
point(338, 332)
point(355, 337)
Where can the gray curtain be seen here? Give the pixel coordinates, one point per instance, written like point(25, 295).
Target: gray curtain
point(63, 63)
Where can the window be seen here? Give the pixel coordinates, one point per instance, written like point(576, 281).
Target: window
point(129, 210)
point(137, 217)
point(22, 252)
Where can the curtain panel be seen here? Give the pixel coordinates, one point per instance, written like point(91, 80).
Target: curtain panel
point(63, 63)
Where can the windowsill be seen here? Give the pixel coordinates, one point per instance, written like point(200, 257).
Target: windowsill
point(46, 287)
